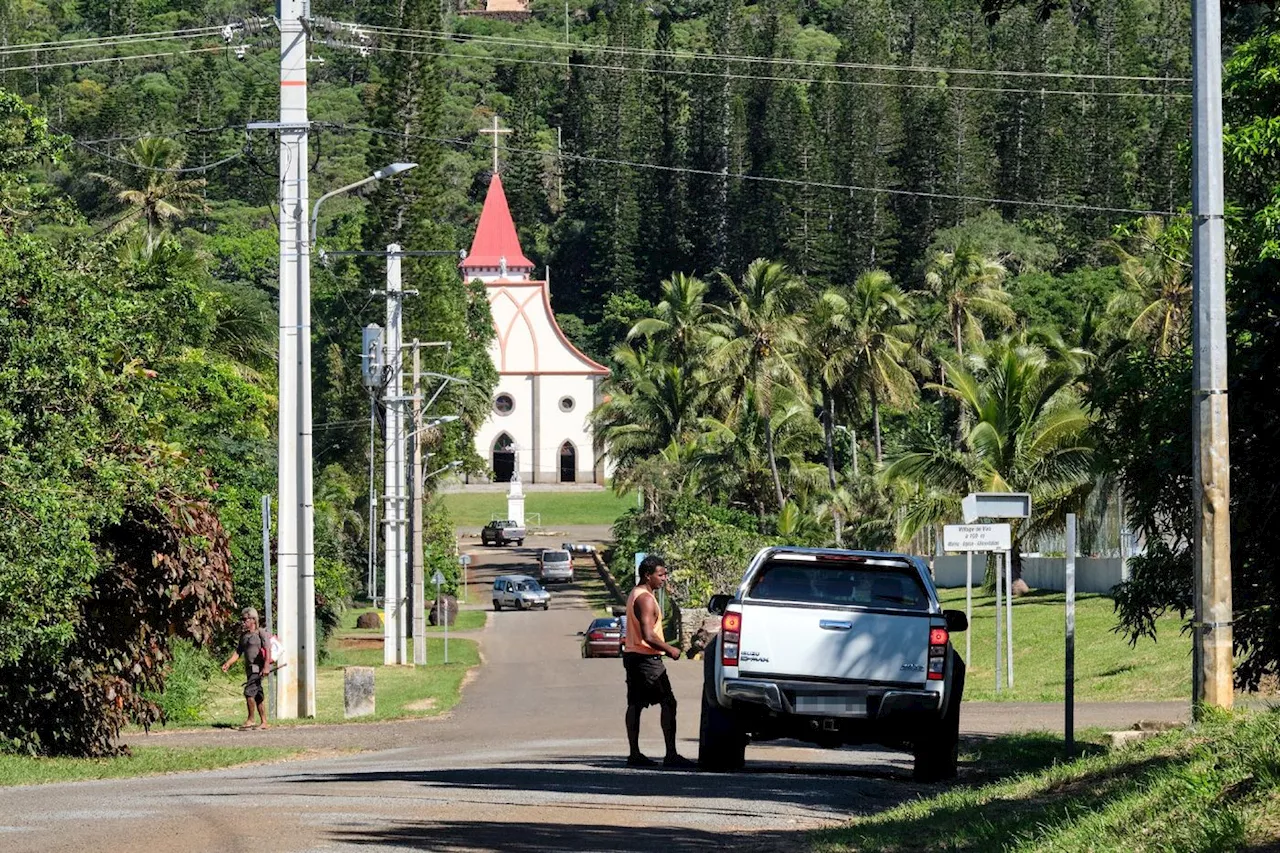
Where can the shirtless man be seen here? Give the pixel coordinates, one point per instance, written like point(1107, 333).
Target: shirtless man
point(647, 680)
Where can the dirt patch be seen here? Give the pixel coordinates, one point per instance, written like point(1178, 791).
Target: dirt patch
point(427, 704)
point(359, 642)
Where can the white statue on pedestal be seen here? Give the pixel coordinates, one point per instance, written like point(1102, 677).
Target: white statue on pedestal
point(515, 499)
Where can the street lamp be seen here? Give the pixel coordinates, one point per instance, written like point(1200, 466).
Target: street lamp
point(454, 464)
point(296, 586)
point(384, 172)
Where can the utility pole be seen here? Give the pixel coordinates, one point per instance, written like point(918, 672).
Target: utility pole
point(1211, 648)
point(419, 602)
point(394, 592)
point(295, 696)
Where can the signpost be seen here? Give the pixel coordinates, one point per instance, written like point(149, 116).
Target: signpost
point(1069, 722)
point(442, 613)
point(970, 538)
point(464, 560)
point(978, 505)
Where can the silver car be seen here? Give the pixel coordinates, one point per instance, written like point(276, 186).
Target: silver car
point(520, 592)
point(555, 565)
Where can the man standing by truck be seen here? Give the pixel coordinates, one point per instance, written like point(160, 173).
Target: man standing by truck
point(647, 679)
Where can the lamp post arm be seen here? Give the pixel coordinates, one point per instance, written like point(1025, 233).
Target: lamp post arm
point(315, 209)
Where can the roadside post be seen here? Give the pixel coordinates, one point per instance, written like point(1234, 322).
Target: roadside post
point(464, 560)
point(984, 538)
point(1011, 505)
point(1069, 709)
point(266, 598)
point(442, 615)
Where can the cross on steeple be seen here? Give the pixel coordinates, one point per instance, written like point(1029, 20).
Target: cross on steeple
point(496, 131)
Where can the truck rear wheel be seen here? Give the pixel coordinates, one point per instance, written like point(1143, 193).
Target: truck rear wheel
point(937, 753)
point(722, 745)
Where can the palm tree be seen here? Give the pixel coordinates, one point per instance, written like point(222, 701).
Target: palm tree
point(648, 405)
point(756, 343)
point(969, 284)
point(1157, 286)
point(1029, 434)
point(680, 321)
point(826, 357)
point(155, 191)
point(880, 345)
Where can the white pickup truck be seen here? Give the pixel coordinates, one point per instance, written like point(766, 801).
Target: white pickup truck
point(833, 647)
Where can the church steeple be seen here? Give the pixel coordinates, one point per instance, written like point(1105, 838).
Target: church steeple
point(496, 246)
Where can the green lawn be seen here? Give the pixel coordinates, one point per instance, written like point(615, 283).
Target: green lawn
point(400, 691)
point(467, 620)
point(1107, 669)
point(556, 509)
point(145, 761)
point(1203, 789)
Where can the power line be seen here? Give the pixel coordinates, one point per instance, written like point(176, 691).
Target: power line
point(746, 58)
point(872, 84)
point(191, 131)
point(583, 158)
point(102, 45)
point(141, 167)
point(44, 65)
point(96, 41)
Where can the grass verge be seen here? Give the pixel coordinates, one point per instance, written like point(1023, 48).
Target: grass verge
point(1207, 789)
point(556, 509)
point(1107, 668)
point(401, 691)
point(467, 620)
point(145, 761)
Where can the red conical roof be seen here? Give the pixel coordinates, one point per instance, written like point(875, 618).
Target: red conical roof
point(496, 236)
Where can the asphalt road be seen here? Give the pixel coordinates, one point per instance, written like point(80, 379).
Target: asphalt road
point(531, 759)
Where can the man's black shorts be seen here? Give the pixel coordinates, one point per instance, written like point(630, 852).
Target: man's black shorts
point(647, 680)
point(253, 687)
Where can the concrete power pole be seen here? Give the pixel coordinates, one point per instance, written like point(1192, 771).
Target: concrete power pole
point(419, 570)
point(394, 516)
point(1212, 677)
point(295, 695)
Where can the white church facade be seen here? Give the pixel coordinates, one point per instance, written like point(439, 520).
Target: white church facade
point(538, 424)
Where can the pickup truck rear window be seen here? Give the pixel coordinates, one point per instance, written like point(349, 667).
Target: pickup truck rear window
point(840, 584)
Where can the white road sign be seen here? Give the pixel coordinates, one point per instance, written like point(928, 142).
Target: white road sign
point(976, 537)
point(438, 578)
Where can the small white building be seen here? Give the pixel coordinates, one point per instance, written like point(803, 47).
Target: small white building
point(546, 387)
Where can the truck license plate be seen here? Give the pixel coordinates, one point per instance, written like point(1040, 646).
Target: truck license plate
point(823, 705)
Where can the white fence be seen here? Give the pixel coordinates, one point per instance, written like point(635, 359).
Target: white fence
point(1093, 574)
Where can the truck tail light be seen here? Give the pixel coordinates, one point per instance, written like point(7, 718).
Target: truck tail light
point(730, 637)
point(938, 639)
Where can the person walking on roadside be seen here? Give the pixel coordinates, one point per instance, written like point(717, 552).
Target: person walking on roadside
point(647, 679)
point(255, 648)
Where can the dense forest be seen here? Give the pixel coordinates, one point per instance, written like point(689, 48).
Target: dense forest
point(846, 260)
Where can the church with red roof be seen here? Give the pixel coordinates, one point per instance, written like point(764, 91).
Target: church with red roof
point(546, 387)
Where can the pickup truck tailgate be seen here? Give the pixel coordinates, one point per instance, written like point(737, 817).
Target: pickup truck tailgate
point(811, 642)
point(842, 619)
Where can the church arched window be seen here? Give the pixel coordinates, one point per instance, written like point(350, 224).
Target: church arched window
point(504, 458)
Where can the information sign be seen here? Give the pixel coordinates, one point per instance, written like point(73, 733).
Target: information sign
point(976, 537)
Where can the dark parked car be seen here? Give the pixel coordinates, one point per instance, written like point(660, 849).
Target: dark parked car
point(602, 639)
point(502, 533)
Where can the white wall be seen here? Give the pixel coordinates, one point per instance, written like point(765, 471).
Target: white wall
point(1093, 574)
point(518, 424)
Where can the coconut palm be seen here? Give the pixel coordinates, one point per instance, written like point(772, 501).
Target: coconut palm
point(154, 191)
point(969, 284)
point(648, 405)
point(737, 468)
point(1157, 286)
point(680, 322)
point(825, 359)
point(755, 346)
point(879, 346)
point(1029, 433)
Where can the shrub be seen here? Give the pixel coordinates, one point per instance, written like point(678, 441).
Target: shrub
point(186, 686)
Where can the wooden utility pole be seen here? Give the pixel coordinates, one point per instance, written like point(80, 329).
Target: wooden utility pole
point(1212, 679)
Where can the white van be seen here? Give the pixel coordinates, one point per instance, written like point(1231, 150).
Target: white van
point(555, 564)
